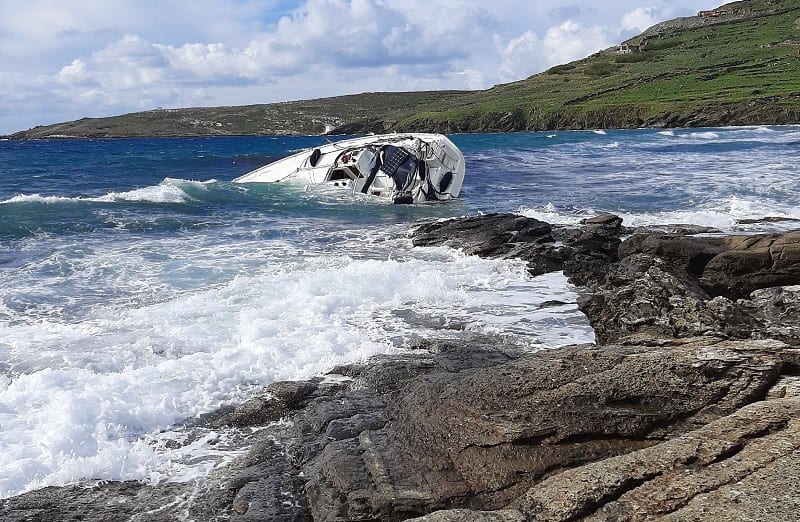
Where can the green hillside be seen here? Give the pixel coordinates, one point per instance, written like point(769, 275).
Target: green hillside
point(739, 66)
point(296, 117)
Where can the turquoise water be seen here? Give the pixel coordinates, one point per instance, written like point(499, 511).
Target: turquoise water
point(139, 287)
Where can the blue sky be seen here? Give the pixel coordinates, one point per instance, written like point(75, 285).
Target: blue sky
point(63, 60)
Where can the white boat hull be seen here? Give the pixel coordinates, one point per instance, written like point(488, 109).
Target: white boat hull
point(401, 168)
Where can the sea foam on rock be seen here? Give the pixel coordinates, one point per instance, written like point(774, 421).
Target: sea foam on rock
point(687, 408)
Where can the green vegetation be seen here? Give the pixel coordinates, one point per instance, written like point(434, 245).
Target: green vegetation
point(740, 68)
point(297, 117)
point(743, 68)
point(600, 68)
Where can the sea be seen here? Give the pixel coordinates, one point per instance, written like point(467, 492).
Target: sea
point(141, 289)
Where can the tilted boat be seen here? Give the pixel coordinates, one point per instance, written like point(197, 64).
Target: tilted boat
point(401, 168)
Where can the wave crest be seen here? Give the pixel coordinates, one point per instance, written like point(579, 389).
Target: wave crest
point(169, 191)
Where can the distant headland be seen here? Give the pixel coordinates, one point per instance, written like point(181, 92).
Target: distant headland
point(734, 65)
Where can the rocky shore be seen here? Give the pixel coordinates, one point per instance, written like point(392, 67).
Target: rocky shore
point(687, 408)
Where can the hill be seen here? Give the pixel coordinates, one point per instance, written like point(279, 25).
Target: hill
point(736, 65)
point(295, 117)
point(739, 65)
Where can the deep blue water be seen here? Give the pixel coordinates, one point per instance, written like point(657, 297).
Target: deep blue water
point(639, 172)
point(140, 287)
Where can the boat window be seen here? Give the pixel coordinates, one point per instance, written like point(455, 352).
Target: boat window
point(444, 183)
point(339, 174)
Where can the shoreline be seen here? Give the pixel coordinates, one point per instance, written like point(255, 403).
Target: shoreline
point(687, 405)
point(359, 130)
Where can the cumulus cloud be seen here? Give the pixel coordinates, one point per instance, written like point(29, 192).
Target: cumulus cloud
point(528, 54)
point(83, 58)
point(569, 41)
point(339, 35)
point(74, 73)
point(520, 55)
point(641, 18)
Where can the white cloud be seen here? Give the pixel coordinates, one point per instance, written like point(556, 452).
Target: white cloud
point(528, 54)
point(87, 58)
point(520, 56)
point(74, 73)
point(209, 62)
point(569, 41)
point(473, 79)
point(641, 18)
point(332, 35)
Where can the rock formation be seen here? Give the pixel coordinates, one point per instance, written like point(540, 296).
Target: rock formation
point(688, 408)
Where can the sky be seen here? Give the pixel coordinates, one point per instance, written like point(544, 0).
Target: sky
point(62, 60)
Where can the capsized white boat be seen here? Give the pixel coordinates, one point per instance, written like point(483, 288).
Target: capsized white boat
point(401, 168)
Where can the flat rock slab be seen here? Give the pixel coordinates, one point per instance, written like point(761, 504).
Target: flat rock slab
point(482, 439)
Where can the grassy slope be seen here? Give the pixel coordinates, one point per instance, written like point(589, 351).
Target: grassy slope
point(719, 73)
point(297, 117)
point(743, 69)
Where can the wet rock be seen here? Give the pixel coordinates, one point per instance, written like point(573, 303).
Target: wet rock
point(644, 296)
point(491, 235)
point(611, 220)
point(667, 285)
point(689, 253)
point(280, 397)
point(545, 248)
point(506, 236)
point(591, 248)
point(754, 262)
point(776, 312)
point(767, 219)
point(268, 487)
point(99, 503)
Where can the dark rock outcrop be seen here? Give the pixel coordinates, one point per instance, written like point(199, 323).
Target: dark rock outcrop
point(546, 248)
point(666, 285)
point(732, 266)
point(98, 503)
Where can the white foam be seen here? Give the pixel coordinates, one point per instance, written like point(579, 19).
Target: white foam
point(34, 198)
point(550, 214)
point(87, 398)
point(168, 191)
point(724, 215)
point(158, 194)
point(708, 135)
